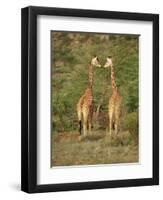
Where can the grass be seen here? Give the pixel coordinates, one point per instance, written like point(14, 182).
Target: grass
point(97, 148)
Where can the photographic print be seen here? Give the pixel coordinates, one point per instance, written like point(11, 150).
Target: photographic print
point(89, 99)
point(94, 98)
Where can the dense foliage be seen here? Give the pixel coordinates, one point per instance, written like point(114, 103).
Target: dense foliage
point(71, 54)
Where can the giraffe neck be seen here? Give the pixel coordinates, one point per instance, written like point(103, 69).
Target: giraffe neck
point(113, 82)
point(90, 76)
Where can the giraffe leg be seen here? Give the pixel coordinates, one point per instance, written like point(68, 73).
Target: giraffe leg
point(110, 122)
point(90, 119)
point(110, 114)
point(117, 124)
point(84, 129)
point(110, 127)
point(116, 128)
point(117, 116)
point(89, 125)
point(85, 121)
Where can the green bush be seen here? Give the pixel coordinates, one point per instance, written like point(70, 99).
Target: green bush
point(71, 55)
point(132, 124)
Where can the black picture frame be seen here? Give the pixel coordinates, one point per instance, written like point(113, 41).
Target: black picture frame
point(29, 99)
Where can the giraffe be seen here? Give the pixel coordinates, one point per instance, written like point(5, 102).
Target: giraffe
point(85, 103)
point(115, 101)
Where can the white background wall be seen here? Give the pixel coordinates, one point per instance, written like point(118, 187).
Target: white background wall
point(10, 80)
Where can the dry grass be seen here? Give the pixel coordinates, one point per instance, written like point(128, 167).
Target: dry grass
point(97, 148)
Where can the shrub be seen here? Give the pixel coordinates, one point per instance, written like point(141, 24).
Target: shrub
point(71, 54)
point(131, 123)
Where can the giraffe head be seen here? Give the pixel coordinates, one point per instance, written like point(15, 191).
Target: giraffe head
point(95, 62)
point(109, 62)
